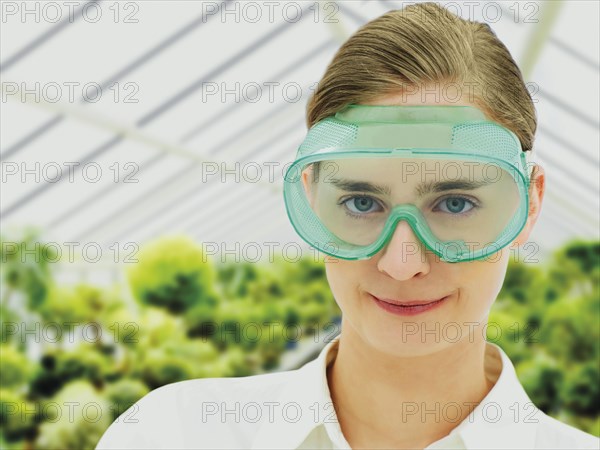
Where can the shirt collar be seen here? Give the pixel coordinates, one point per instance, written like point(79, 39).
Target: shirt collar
point(505, 418)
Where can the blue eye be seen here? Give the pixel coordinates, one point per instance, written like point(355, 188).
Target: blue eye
point(361, 205)
point(455, 205)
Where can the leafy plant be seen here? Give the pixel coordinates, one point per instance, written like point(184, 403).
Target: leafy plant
point(79, 426)
point(15, 368)
point(26, 266)
point(173, 273)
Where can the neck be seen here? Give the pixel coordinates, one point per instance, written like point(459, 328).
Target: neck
point(386, 401)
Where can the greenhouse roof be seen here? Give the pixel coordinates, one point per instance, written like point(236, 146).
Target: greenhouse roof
point(147, 101)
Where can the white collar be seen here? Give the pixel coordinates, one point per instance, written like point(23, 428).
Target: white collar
point(307, 402)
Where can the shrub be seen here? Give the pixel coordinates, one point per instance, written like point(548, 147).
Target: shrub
point(15, 368)
point(79, 427)
point(541, 377)
point(124, 393)
point(173, 273)
point(580, 392)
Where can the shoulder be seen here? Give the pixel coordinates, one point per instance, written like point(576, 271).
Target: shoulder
point(199, 413)
point(553, 433)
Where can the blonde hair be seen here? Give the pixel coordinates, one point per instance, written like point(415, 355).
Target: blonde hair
point(421, 45)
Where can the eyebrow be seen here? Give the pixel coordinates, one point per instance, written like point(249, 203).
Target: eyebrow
point(420, 191)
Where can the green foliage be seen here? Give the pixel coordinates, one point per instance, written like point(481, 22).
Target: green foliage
point(286, 312)
point(80, 303)
point(15, 368)
point(16, 416)
point(9, 326)
point(124, 393)
point(234, 319)
point(559, 304)
point(26, 265)
point(235, 278)
point(196, 320)
point(268, 287)
point(238, 363)
point(156, 328)
point(173, 273)
point(200, 319)
point(122, 327)
point(58, 367)
point(585, 254)
point(571, 330)
point(78, 427)
point(581, 390)
point(522, 281)
point(316, 303)
point(541, 376)
point(176, 361)
point(306, 270)
point(576, 265)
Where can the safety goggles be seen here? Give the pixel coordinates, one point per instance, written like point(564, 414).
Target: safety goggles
point(460, 180)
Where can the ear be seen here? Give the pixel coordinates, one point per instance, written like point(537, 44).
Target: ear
point(306, 183)
point(536, 195)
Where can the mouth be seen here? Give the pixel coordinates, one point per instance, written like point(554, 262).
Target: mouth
point(408, 307)
point(408, 302)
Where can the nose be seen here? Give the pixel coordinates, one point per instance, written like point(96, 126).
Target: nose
point(404, 255)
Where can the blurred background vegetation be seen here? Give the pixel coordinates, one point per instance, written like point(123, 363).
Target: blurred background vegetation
point(180, 315)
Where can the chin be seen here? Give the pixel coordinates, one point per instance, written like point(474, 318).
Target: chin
point(406, 340)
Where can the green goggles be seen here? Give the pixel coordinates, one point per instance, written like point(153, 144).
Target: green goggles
point(460, 180)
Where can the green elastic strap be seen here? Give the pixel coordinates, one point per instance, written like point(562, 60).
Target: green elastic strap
point(409, 114)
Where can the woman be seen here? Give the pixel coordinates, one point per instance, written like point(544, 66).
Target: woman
point(414, 272)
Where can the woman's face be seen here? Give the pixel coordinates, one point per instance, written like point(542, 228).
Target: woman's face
point(404, 270)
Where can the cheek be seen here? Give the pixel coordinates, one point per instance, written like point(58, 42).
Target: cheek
point(344, 278)
point(482, 280)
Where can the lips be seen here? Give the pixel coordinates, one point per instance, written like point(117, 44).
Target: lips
point(408, 302)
